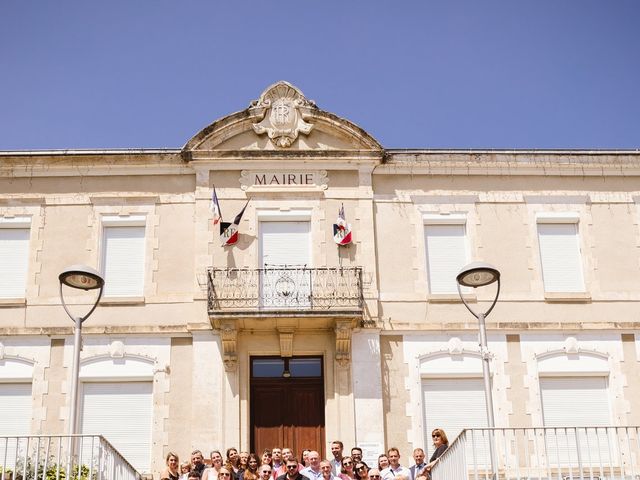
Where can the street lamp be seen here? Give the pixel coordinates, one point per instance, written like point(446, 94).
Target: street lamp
point(85, 278)
point(480, 274)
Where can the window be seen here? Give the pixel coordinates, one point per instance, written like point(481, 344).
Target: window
point(454, 404)
point(285, 256)
point(285, 243)
point(123, 413)
point(576, 402)
point(446, 244)
point(14, 256)
point(123, 261)
point(560, 253)
point(15, 407)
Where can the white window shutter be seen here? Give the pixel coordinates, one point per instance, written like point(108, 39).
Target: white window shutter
point(14, 258)
point(574, 402)
point(122, 413)
point(124, 261)
point(285, 243)
point(446, 255)
point(15, 417)
point(453, 404)
point(561, 259)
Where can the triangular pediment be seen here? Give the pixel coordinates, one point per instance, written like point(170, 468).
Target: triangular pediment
point(282, 119)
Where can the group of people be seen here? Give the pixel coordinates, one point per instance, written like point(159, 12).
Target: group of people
point(281, 464)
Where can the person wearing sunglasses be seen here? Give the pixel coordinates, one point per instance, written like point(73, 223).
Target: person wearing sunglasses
point(225, 473)
point(292, 470)
point(264, 472)
point(373, 474)
point(362, 470)
point(441, 443)
point(347, 473)
point(287, 453)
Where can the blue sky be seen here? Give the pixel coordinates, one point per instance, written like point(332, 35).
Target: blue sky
point(414, 74)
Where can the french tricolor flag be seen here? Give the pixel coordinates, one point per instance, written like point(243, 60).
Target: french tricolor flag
point(215, 207)
point(229, 231)
point(341, 229)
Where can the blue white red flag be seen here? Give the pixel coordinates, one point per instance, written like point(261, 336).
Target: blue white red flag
point(229, 231)
point(215, 207)
point(341, 229)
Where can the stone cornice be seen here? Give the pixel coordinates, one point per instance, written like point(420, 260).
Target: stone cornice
point(512, 162)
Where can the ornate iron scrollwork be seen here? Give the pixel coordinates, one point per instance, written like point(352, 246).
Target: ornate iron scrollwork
point(284, 287)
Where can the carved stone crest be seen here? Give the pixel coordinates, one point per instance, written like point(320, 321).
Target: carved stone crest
point(282, 110)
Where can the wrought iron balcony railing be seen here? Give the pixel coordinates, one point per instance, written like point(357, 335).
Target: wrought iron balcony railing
point(542, 453)
point(299, 289)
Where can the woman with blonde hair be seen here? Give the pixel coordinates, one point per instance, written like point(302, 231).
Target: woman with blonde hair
point(171, 472)
point(346, 472)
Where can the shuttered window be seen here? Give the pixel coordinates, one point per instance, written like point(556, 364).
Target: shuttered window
point(284, 243)
point(15, 417)
point(124, 260)
point(285, 249)
point(573, 402)
point(560, 257)
point(446, 246)
point(14, 257)
point(453, 404)
point(122, 413)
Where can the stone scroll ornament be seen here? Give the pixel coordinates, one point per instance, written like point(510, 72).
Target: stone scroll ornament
point(282, 110)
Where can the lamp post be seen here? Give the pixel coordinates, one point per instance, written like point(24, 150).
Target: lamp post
point(85, 278)
point(480, 274)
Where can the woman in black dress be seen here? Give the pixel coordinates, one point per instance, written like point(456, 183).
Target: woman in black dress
point(441, 443)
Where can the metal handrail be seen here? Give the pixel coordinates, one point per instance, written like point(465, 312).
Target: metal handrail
point(560, 453)
point(91, 457)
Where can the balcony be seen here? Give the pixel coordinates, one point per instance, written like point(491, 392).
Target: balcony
point(285, 291)
point(549, 453)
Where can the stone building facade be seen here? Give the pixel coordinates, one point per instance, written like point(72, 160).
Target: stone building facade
point(287, 337)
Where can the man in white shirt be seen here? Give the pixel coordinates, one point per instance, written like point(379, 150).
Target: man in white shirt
point(327, 470)
point(394, 469)
point(336, 449)
point(313, 471)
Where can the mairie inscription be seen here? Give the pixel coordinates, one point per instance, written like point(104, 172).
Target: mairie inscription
point(258, 180)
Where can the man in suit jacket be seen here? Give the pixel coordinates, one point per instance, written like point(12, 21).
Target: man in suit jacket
point(418, 458)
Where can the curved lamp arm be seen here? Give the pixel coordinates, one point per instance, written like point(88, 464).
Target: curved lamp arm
point(84, 317)
point(493, 304)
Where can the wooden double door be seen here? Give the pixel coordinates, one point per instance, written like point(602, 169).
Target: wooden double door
point(287, 404)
